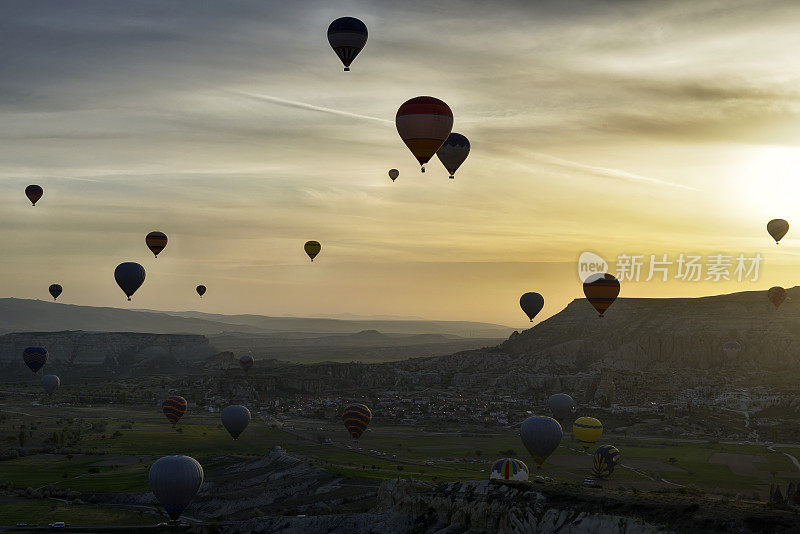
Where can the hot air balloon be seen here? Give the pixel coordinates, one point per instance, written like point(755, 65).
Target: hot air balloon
point(201, 290)
point(34, 193)
point(246, 362)
point(424, 124)
point(129, 277)
point(732, 348)
point(393, 174)
point(156, 242)
point(509, 469)
point(235, 419)
point(175, 480)
point(174, 407)
point(561, 404)
point(347, 36)
point(531, 303)
point(587, 431)
point(312, 248)
point(606, 458)
point(601, 290)
point(50, 383)
point(541, 436)
point(356, 418)
point(453, 152)
point(34, 358)
point(776, 295)
point(55, 290)
point(777, 228)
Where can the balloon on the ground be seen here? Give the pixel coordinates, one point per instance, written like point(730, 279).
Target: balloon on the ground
point(509, 469)
point(561, 405)
point(587, 431)
point(541, 436)
point(347, 36)
point(424, 123)
point(129, 277)
point(531, 303)
point(50, 383)
point(731, 348)
point(55, 290)
point(175, 480)
point(34, 358)
point(453, 152)
point(156, 242)
point(246, 362)
point(34, 193)
point(601, 289)
point(776, 295)
point(174, 407)
point(201, 290)
point(356, 418)
point(312, 248)
point(393, 174)
point(606, 458)
point(235, 419)
point(777, 228)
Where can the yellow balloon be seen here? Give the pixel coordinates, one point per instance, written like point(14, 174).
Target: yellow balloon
point(587, 430)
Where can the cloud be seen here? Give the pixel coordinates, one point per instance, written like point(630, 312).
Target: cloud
point(310, 107)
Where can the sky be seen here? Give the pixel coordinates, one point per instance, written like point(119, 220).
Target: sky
point(616, 127)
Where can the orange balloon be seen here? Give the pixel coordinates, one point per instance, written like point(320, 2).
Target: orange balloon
point(601, 291)
point(776, 295)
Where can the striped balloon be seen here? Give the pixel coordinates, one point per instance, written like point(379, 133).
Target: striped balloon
point(777, 228)
point(509, 469)
point(312, 248)
point(174, 407)
point(587, 430)
point(424, 123)
point(347, 36)
point(601, 290)
point(606, 458)
point(356, 418)
point(34, 358)
point(156, 241)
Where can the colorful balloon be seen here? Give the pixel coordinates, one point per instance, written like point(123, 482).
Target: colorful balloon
point(347, 36)
point(587, 431)
point(246, 362)
point(541, 436)
point(561, 404)
point(34, 193)
point(601, 290)
point(732, 348)
point(777, 228)
point(55, 290)
point(235, 419)
point(156, 242)
point(34, 358)
point(606, 458)
point(509, 469)
point(50, 383)
point(776, 295)
point(175, 480)
point(312, 248)
point(174, 407)
point(393, 174)
point(356, 418)
point(129, 277)
point(201, 290)
point(531, 303)
point(453, 152)
point(424, 123)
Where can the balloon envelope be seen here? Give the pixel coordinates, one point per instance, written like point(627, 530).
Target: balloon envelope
point(235, 419)
point(424, 123)
point(587, 430)
point(531, 303)
point(561, 405)
point(453, 152)
point(776, 295)
point(175, 480)
point(50, 383)
point(55, 290)
point(312, 248)
point(246, 362)
point(201, 290)
point(347, 36)
point(777, 228)
point(393, 174)
point(732, 348)
point(156, 241)
point(356, 418)
point(129, 277)
point(509, 469)
point(174, 407)
point(541, 436)
point(34, 193)
point(601, 290)
point(606, 458)
point(34, 358)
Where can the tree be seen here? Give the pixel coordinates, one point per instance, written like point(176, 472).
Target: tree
point(673, 460)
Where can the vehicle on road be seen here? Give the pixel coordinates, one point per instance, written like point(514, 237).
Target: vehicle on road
point(57, 524)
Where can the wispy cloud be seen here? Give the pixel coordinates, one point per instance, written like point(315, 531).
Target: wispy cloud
point(309, 107)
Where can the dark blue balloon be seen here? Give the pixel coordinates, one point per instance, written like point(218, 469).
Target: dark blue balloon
point(129, 277)
point(531, 303)
point(541, 436)
point(347, 36)
point(34, 358)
